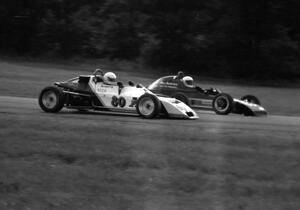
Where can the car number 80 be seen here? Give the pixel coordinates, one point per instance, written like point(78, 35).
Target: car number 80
point(115, 101)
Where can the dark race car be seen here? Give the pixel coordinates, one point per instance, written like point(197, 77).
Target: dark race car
point(183, 88)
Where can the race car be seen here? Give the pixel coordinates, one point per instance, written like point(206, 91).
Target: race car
point(182, 88)
point(101, 92)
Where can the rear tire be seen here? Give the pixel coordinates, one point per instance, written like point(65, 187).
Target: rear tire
point(51, 99)
point(251, 99)
point(222, 104)
point(148, 106)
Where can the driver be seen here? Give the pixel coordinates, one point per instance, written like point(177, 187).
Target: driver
point(110, 78)
point(188, 81)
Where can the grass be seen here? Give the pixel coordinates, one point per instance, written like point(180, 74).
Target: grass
point(74, 161)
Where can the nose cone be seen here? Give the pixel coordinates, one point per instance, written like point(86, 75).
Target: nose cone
point(261, 112)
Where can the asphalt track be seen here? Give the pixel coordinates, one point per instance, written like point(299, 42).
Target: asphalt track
point(207, 120)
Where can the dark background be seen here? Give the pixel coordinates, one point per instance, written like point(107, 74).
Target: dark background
point(253, 40)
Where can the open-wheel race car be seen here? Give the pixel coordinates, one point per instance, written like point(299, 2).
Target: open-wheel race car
point(102, 92)
point(182, 88)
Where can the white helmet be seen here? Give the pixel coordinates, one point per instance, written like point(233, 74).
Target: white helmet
point(188, 81)
point(109, 78)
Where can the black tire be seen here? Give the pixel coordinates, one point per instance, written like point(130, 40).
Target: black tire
point(222, 104)
point(51, 99)
point(251, 99)
point(148, 106)
point(181, 97)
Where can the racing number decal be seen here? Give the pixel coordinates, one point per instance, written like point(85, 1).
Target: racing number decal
point(115, 101)
point(122, 102)
point(133, 102)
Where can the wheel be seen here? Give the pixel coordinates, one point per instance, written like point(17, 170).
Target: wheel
point(181, 97)
point(51, 99)
point(222, 104)
point(251, 99)
point(148, 106)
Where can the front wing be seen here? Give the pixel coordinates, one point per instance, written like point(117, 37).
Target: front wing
point(254, 109)
point(177, 109)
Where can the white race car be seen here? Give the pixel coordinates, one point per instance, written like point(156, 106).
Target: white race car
point(90, 92)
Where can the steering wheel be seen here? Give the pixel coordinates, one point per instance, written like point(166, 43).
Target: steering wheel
point(98, 75)
point(98, 72)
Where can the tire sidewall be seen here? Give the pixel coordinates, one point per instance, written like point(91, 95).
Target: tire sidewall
point(60, 99)
point(229, 101)
point(157, 106)
point(252, 98)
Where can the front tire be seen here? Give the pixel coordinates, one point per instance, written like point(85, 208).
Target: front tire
point(51, 99)
point(222, 104)
point(148, 106)
point(251, 99)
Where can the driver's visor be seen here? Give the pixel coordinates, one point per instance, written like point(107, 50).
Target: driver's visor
point(189, 82)
point(111, 79)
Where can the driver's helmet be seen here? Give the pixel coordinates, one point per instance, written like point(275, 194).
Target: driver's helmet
point(110, 78)
point(188, 81)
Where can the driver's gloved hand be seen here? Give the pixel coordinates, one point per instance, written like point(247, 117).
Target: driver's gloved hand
point(130, 83)
point(199, 89)
point(120, 84)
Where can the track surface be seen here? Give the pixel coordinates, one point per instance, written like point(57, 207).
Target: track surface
point(98, 160)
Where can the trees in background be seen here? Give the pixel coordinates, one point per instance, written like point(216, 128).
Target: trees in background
point(253, 39)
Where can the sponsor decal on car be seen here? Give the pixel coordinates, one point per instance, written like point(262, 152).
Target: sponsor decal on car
point(168, 84)
point(103, 88)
